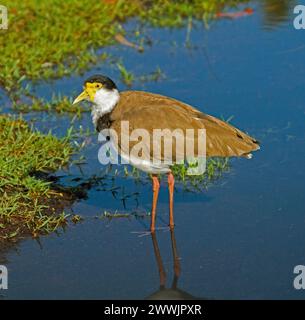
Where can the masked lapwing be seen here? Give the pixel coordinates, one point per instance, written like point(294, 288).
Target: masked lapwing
point(150, 112)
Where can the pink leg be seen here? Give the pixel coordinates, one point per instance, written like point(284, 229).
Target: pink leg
point(171, 183)
point(156, 187)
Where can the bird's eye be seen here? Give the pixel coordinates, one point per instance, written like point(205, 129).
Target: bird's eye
point(98, 86)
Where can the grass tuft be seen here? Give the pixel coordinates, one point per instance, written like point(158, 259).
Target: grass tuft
point(28, 204)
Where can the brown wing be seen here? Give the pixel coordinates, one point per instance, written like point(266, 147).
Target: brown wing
point(151, 111)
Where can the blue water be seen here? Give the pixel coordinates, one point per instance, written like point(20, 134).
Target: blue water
point(242, 237)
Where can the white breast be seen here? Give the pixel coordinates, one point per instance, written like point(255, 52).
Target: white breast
point(104, 102)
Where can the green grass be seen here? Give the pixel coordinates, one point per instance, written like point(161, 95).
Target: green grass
point(58, 104)
point(54, 38)
point(215, 168)
point(28, 204)
point(127, 77)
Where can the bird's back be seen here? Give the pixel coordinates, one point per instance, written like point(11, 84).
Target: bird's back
point(153, 111)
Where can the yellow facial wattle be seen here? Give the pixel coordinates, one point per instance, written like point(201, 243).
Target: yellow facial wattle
point(89, 92)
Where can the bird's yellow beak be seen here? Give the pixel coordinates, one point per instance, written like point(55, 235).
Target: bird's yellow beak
point(83, 96)
point(88, 93)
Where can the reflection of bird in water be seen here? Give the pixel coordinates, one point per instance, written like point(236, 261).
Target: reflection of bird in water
point(173, 293)
point(149, 112)
point(276, 12)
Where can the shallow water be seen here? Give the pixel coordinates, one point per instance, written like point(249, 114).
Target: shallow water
point(242, 237)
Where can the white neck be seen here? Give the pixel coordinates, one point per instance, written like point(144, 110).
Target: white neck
point(104, 102)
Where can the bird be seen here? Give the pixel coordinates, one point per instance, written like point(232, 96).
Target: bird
point(112, 108)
